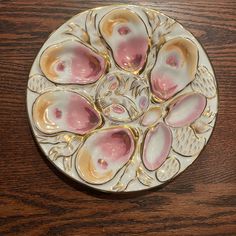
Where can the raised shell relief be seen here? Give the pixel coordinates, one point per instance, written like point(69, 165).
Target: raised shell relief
point(151, 116)
point(122, 96)
point(200, 126)
point(71, 62)
point(138, 77)
point(125, 33)
point(78, 32)
point(104, 153)
point(185, 141)
point(156, 147)
point(58, 111)
point(168, 170)
point(185, 109)
point(175, 68)
point(205, 122)
point(204, 83)
point(38, 83)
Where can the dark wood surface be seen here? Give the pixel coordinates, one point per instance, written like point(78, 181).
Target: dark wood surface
point(35, 199)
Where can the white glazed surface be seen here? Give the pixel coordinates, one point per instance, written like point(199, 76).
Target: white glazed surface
point(133, 176)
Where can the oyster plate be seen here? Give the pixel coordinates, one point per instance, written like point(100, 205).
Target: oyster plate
point(122, 98)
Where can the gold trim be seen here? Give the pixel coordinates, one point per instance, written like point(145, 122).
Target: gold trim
point(216, 97)
point(56, 45)
point(99, 125)
point(133, 134)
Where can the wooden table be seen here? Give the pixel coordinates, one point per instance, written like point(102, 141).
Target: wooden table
point(35, 199)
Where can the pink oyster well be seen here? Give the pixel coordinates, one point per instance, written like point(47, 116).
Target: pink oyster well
point(185, 109)
point(156, 146)
point(58, 111)
point(71, 62)
point(125, 33)
point(175, 67)
point(104, 153)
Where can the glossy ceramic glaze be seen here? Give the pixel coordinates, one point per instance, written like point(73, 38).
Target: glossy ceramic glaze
point(122, 98)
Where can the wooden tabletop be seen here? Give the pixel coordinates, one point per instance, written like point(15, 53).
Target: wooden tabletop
point(35, 199)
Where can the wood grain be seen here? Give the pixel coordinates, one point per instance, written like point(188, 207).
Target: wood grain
point(35, 199)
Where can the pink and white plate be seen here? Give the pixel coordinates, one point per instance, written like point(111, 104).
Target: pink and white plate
point(122, 98)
